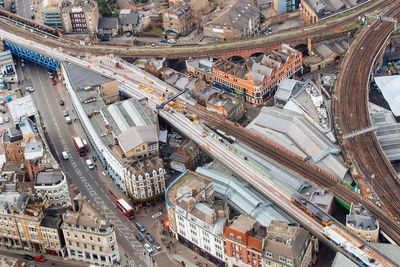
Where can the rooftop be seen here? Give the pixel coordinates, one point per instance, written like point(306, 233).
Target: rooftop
point(7, 261)
point(188, 183)
point(136, 136)
point(326, 7)
point(22, 107)
point(243, 224)
point(82, 77)
point(13, 200)
point(87, 216)
point(78, 6)
point(49, 178)
point(12, 134)
point(287, 88)
point(328, 49)
point(236, 15)
point(360, 218)
point(107, 23)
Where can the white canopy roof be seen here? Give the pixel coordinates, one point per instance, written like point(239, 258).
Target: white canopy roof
point(390, 88)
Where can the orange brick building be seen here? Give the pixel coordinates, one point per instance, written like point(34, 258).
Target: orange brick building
point(244, 242)
point(258, 77)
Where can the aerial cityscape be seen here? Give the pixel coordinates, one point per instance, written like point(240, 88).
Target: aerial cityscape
point(200, 133)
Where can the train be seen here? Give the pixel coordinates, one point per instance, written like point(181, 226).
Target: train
point(231, 139)
point(362, 258)
point(311, 209)
point(337, 239)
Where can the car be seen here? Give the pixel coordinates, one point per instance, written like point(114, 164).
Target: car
point(140, 227)
point(29, 89)
point(65, 112)
point(51, 76)
point(157, 246)
point(129, 34)
point(32, 8)
point(90, 164)
point(6, 119)
point(148, 248)
point(139, 237)
point(65, 155)
point(32, 16)
point(28, 257)
point(53, 81)
point(149, 238)
point(22, 63)
point(61, 102)
point(145, 9)
point(40, 258)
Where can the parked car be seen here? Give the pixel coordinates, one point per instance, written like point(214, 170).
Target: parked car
point(139, 237)
point(51, 76)
point(163, 40)
point(28, 257)
point(40, 258)
point(53, 81)
point(22, 62)
point(145, 9)
point(61, 102)
point(32, 8)
point(32, 16)
point(171, 41)
point(29, 89)
point(157, 246)
point(148, 248)
point(65, 112)
point(149, 238)
point(68, 120)
point(6, 119)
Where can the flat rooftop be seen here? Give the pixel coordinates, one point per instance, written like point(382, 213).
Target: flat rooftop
point(48, 178)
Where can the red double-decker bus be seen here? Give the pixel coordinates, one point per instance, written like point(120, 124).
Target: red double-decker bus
point(125, 208)
point(80, 148)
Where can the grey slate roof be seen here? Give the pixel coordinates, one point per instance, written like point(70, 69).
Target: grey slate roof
point(81, 77)
point(107, 23)
point(360, 218)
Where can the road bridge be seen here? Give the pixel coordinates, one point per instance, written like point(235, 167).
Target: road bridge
point(219, 151)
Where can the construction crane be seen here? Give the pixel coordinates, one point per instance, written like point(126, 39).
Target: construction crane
point(173, 98)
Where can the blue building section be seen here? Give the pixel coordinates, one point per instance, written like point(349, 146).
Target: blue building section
point(32, 55)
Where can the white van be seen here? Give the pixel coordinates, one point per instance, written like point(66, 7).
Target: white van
point(1, 121)
point(90, 164)
point(68, 119)
point(65, 155)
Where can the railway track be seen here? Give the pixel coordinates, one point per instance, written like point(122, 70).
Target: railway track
point(214, 50)
point(298, 165)
point(351, 109)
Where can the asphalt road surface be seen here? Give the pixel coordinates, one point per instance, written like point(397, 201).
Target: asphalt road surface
point(79, 177)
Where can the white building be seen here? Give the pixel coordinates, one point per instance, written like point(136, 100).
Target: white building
point(195, 218)
point(53, 185)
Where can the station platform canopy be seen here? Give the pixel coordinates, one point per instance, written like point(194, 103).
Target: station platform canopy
point(390, 88)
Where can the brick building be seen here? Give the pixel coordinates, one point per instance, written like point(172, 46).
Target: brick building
point(360, 221)
point(80, 16)
point(257, 78)
point(178, 18)
point(12, 144)
point(244, 242)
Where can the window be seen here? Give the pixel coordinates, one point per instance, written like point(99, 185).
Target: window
point(84, 245)
point(239, 239)
point(90, 238)
point(269, 254)
point(368, 235)
point(111, 239)
point(77, 244)
point(93, 247)
point(112, 248)
point(72, 252)
point(289, 261)
point(281, 258)
point(232, 236)
point(83, 236)
point(100, 249)
point(98, 239)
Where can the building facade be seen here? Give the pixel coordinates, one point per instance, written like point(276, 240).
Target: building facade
point(51, 13)
point(53, 239)
point(80, 16)
point(145, 180)
point(194, 218)
point(13, 144)
point(284, 6)
point(243, 239)
point(89, 236)
point(53, 186)
point(258, 78)
point(178, 18)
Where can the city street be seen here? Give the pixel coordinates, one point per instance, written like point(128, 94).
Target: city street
point(79, 177)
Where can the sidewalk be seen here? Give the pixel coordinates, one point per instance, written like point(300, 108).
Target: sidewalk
point(179, 253)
